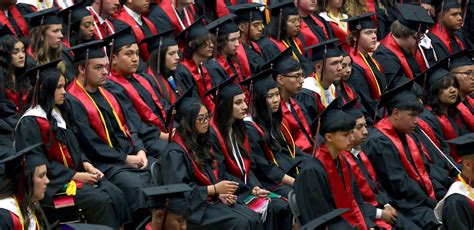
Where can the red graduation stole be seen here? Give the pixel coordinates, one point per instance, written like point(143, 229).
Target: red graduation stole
point(295, 130)
point(202, 179)
point(428, 130)
point(440, 32)
point(255, 47)
point(282, 47)
point(390, 43)
point(309, 37)
point(137, 30)
point(167, 87)
point(19, 19)
point(231, 165)
point(350, 93)
point(423, 179)
point(56, 151)
point(15, 97)
point(95, 117)
point(203, 83)
point(243, 61)
point(228, 69)
point(338, 31)
point(343, 195)
point(369, 74)
point(466, 114)
point(145, 112)
point(371, 8)
point(167, 7)
point(320, 24)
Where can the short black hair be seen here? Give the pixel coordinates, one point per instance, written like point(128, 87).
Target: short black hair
point(343, 124)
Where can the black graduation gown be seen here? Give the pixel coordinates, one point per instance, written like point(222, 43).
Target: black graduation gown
point(159, 18)
point(309, 103)
point(6, 221)
point(184, 79)
point(176, 167)
point(97, 202)
point(440, 48)
point(148, 133)
point(406, 194)
point(391, 64)
point(457, 213)
point(111, 160)
point(8, 119)
point(68, 60)
point(278, 212)
point(317, 30)
point(254, 58)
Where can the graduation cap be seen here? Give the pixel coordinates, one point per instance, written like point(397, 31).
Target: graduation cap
point(169, 197)
point(247, 12)
point(414, 17)
point(325, 49)
point(179, 108)
point(44, 17)
point(282, 10)
point(464, 144)
point(321, 221)
point(442, 5)
point(261, 82)
point(226, 90)
point(460, 59)
point(327, 120)
point(433, 74)
point(5, 31)
point(80, 226)
point(88, 50)
point(223, 25)
point(72, 17)
point(283, 63)
point(14, 161)
point(120, 39)
point(163, 39)
point(397, 95)
point(192, 32)
point(37, 74)
point(351, 110)
point(360, 22)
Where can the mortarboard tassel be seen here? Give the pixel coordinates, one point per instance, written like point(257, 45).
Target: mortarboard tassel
point(34, 99)
point(280, 17)
point(248, 29)
point(158, 57)
point(86, 65)
point(68, 31)
point(441, 16)
point(165, 212)
point(464, 12)
point(323, 64)
point(215, 45)
point(112, 47)
point(250, 90)
point(170, 127)
point(316, 137)
point(21, 180)
point(356, 44)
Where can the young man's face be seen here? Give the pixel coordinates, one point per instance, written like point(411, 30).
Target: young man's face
point(360, 131)
point(404, 121)
point(465, 77)
point(126, 60)
point(333, 69)
point(291, 82)
point(341, 140)
point(96, 71)
point(232, 43)
point(368, 40)
point(452, 19)
point(256, 29)
point(307, 5)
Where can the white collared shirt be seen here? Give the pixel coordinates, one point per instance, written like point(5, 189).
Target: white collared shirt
point(135, 16)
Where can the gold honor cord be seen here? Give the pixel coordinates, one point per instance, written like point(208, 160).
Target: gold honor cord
point(468, 187)
point(323, 95)
point(298, 48)
point(373, 74)
point(292, 153)
point(20, 216)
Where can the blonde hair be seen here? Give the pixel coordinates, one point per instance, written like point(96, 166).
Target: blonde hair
point(354, 8)
point(42, 52)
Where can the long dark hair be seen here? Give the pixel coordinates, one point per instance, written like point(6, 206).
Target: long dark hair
point(194, 45)
point(223, 119)
point(198, 144)
point(435, 90)
point(274, 26)
point(7, 70)
point(269, 122)
point(9, 188)
point(153, 64)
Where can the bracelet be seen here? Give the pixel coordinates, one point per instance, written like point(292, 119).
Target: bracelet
point(215, 190)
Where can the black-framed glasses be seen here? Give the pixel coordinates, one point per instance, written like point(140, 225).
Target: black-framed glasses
point(298, 77)
point(204, 118)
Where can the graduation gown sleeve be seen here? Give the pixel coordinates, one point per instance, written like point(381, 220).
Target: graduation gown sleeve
point(458, 213)
point(405, 192)
point(8, 120)
point(6, 221)
point(359, 84)
point(387, 61)
point(308, 101)
point(159, 18)
point(268, 48)
point(184, 80)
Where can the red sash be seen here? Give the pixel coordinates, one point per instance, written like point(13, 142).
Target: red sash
point(444, 37)
point(256, 47)
point(350, 93)
point(309, 37)
point(343, 196)
point(371, 9)
point(202, 179)
point(428, 130)
point(202, 87)
point(423, 179)
point(320, 24)
point(390, 43)
point(243, 61)
point(16, 222)
point(338, 32)
point(139, 35)
point(19, 19)
point(94, 118)
point(167, 87)
point(420, 60)
point(15, 97)
point(449, 133)
point(169, 11)
point(466, 114)
point(228, 69)
point(296, 131)
point(231, 165)
point(56, 151)
point(369, 75)
point(144, 110)
point(282, 47)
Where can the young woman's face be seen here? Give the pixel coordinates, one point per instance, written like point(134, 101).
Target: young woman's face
point(202, 121)
point(346, 68)
point(293, 25)
point(232, 43)
point(273, 100)
point(54, 36)
point(172, 58)
point(239, 107)
point(448, 95)
point(40, 182)
point(60, 91)
point(18, 55)
point(87, 27)
point(367, 40)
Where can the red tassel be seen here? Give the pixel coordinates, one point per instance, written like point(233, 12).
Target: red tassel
point(34, 99)
point(86, 64)
point(316, 138)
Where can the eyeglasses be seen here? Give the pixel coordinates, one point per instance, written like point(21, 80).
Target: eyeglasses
point(300, 76)
point(204, 118)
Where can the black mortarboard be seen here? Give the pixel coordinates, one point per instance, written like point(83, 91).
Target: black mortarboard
point(414, 17)
point(5, 31)
point(441, 5)
point(262, 81)
point(223, 25)
point(321, 221)
point(91, 50)
point(44, 17)
point(80, 226)
point(398, 95)
point(460, 59)
point(225, 90)
point(192, 32)
point(247, 12)
point(325, 49)
point(76, 12)
point(284, 8)
point(433, 74)
point(283, 63)
point(361, 22)
point(163, 39)
point(180, 106)
point(351, 110)
point(13, 160)
point(120, 39)
point(328, 119)
point(40, 72)
point(464, 144)
point(172, 194)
